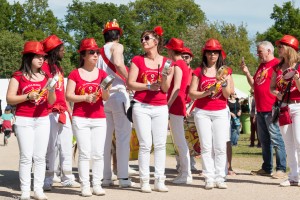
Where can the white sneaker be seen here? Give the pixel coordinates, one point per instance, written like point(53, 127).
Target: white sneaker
point(86, 192)
point(184, 179)
point(40, 196)
point(288, 183)
point(132, 172)
point(71, 184)
point(107, 183)
point(159, 185)
point(25, 196)
point(209, 185)
point(125, 183)
point(47, 186)
point(114, 177)
point(145, 186)
point(56, 179)
point(97, 190)
point(221, 185)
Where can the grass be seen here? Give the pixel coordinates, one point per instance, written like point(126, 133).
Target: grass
point(244, 157)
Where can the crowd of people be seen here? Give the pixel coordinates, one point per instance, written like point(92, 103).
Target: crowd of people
point(94, 110)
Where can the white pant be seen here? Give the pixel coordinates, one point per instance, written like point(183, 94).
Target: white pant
point(33, 136)
point(60, 139)
point(117, 122)
point(291, 137)
point(212, 127)
point(177, 128)
point(151, 122)
point(90, 135)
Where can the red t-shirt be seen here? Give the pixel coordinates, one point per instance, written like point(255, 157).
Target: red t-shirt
point(85, 109)
point(31, 108)
point(149, 76)
point(282, 84)
point(59, 88)
point(215, 102)
point(178, 106)
point(187, 97)
point(264, 100)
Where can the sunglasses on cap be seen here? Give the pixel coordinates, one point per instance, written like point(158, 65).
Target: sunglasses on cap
point(185, 57)
point(146, 38)
point(92, 52)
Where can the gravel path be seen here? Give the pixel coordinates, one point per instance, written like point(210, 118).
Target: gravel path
point(243, 186)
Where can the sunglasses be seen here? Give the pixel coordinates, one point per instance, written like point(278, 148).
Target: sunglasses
point(280, 46)
point(185, 57)
point(146, 38)
point(213, 52)
point(92, 52)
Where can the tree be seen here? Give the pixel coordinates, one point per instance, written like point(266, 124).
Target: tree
point(11, 46)
point(287, 21)
point(5, 14)
point(234, 40)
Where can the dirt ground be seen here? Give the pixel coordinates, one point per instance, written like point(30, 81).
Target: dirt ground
point(243, 186)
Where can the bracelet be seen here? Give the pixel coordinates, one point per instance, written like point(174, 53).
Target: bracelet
point(51, 90)
point(27, 98)
point(148, 86)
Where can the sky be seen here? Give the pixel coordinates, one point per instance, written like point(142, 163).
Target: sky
point(254, 14)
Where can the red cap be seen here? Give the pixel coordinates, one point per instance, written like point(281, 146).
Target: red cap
point(187, 51)
point(51, 42)
point(109, 26)
point(88, 44)
point(33, 47)
point(175, 44)
point(289, 41)
point(212, 45)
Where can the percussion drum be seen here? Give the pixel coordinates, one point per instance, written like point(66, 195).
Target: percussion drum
point(191, 137)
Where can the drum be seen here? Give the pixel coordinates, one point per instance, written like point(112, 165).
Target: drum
point(191, 137)
point(134, 145)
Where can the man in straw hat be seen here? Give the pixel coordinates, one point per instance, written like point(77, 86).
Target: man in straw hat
point(268, 132)
point(111, 60)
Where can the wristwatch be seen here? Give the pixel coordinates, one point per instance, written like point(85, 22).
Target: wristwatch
point(224, 84)
point(148, 86)
point(27, 98)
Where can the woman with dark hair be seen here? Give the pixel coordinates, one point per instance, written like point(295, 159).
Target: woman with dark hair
point(211, 112)
point(235, 123)
point(290, 60)
point(150, 112)
point(61, 134)
point(29, 90)
point(177, 109)
point(89, 122)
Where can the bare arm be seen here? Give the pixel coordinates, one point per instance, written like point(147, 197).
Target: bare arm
point(166, 80)
point(118, 59)
point(177, 83)
point(131, 81)
point(11, 97)
point(194, 93)
point(247, 73)
point(297, 80)
point(70, 93)
point(229, 89)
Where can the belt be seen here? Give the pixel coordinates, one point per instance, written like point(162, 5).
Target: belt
point(294, 101)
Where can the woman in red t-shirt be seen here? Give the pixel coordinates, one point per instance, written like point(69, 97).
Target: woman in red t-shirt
point(27, 89)
point(290, 60)
point(150, 112)
point(89, 122)
point(211, 112)
point(177, 109)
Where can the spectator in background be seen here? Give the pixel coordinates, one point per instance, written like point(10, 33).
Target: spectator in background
point(253, 123)
point(8, 120)
point(235, 123)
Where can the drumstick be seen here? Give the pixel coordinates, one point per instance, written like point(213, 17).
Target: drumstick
point(158, 72)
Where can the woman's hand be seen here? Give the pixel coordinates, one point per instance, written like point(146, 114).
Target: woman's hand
point(90, 98)
point(33, 95)
point(154, 87)
point(279, 96)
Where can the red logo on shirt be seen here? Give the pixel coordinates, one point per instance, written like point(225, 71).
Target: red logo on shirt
point(261, 77)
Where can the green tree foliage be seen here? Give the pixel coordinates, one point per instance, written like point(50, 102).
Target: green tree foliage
point(5, 15)
point(287, 21)
point(234, 40)
point(11, 46)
